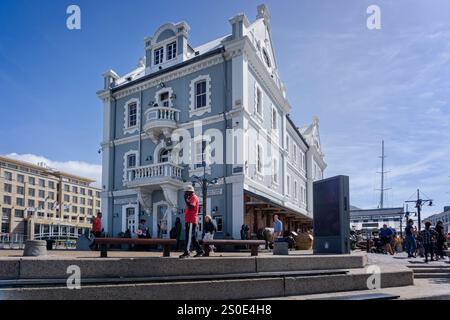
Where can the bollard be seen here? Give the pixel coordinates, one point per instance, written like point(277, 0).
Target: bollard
point(35, 248)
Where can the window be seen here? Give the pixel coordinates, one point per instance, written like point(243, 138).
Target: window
point(200, 94)
point(132, 114)
point(97, 194)
point(74, 209)
point(75, 189)
point(31, 192)
point(83, 201)
point(18, 213)
point(171, 50)
point(7, 200)
point(82, 191)
point(90, 202)
point(275, 170)
point(266, 58)
point(31, 180)
point(164, 99)
point(31, 203)
point(20, 190)
point(259, 101)
point(97, 203)
point(200, 154)
point(20, 178)
point(158, 55)
point(6, 213)
point(164, 156)
point(303, 161)
point(294, 155)
point(41, 194)
point(295, 190)
point(288, 185)
point(7, 187)
point(8, 175)
point(75, 199)
point(259, 160)
point(219, 223)
point(131, 161)
point(82, 210)
point(274, 119)
point(20, 202)
point(41, 183)
point(41, 205)
point(51, 195)
point(51, 185)
point(66, 198)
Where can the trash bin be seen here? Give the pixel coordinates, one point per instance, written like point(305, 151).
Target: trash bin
point(50, 243)
point(281, 247)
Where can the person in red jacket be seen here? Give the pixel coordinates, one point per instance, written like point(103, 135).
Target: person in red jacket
point(191, 221)
point(97, 225)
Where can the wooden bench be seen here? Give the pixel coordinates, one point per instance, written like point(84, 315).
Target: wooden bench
point(104, 242)
point(254, 244)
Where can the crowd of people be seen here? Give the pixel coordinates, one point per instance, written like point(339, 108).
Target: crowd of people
point(430, 243)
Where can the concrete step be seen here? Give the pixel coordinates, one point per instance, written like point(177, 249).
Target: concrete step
point(243, 288)
point(431, 270)
point(431, 275)
point(56, 268)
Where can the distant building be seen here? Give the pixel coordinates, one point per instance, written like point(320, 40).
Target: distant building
point(38, 202)
point(373, 219)
point(443, 216)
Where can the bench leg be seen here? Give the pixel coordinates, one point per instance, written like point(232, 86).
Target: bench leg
point(166, 251)
point(103, 251)
point(254, 250)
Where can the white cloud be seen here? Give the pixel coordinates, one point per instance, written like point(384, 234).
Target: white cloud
point(79, 168)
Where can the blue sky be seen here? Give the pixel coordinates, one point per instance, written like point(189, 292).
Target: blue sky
point(365, 85)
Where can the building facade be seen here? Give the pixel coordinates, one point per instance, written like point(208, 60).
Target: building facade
point(38, 202)
point(374, 219)
point(218, 110)
point(443, 216)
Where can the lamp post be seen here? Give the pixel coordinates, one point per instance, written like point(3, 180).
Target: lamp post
point(419, 203)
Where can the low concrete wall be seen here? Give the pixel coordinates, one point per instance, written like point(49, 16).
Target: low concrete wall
point(51, 268)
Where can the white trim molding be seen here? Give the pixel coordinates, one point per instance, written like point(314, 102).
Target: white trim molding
point(125, 164)
point(126, 128)
point(200, 111)
point(158, 94)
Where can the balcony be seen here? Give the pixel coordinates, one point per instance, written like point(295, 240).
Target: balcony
point(155, 175)
point(160, 120)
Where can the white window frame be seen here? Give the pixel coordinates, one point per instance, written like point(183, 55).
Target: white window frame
point(160, 53)
point(274, 121)
point(171, 50)
point(259, 159)
point(131, 129)
point(158, 94)
point(194, 111)
point(295, 190)
point(275, 169)
point(259, 102)
point(125, 163)
point(288, 185)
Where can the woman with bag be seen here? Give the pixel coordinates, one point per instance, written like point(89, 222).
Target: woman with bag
point(209, 229)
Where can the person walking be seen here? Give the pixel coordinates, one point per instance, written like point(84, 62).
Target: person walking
point(277, 228)
point(96, 230)
point(440, 241)
point(386, 238)
point(209, 231)
point(427, 236)
point(191, 221)
point(411, 245)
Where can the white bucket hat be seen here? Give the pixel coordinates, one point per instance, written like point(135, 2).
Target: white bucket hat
point(189, 188)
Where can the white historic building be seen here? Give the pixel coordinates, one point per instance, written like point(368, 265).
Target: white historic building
point(218, 109)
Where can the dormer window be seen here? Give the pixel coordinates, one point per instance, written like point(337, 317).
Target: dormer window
point(171, 50)
point(266, 58)
point(159, 54)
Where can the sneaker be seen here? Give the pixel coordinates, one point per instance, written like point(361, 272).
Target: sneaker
point(184, 255)
point(199, 254)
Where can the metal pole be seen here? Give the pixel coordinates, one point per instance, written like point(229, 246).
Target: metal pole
point(419, 207)
point(382, 175)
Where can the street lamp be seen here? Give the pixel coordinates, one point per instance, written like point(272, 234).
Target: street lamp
point(419, 203)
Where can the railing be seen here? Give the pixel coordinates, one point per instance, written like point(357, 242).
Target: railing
point(158, 170)
point(12, 240)
point(162, 113)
